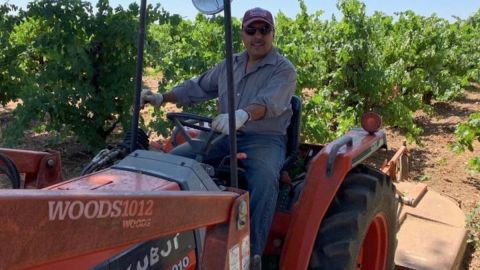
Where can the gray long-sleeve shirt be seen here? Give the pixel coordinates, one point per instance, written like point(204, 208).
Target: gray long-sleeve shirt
point(270, 83)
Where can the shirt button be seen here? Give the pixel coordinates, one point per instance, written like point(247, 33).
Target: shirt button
point(238, 94)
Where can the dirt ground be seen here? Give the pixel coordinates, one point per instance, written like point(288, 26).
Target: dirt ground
point(432, 163)
point(442, 170)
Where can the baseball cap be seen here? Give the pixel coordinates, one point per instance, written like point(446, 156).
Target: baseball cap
point(257, 14)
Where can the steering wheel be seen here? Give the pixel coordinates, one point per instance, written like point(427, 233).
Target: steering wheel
point(200, 147)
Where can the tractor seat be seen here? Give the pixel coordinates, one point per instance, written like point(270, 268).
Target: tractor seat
point(293, 144)
point(293, 133)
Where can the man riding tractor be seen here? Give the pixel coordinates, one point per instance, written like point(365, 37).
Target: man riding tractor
point(264, 84)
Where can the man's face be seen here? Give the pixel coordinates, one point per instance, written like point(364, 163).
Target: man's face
point(257, 38)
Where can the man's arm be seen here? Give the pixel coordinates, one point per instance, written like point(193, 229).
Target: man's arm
point(169, 97)
point(201, 88)
point(191, 91)
point(256, 111)
point(275, 97)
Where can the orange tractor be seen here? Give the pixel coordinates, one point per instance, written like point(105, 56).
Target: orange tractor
point(154, 210)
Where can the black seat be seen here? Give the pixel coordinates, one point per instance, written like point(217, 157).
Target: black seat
point(293, 133)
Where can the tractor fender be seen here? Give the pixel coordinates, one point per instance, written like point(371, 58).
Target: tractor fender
point(325, 174)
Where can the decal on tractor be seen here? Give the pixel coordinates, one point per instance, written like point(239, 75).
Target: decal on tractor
point(98, 209)
point(182, 264)
point(234, 258)
point(175, 252)
point(246, 252)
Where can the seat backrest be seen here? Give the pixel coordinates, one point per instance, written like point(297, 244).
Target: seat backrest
point(293, 132)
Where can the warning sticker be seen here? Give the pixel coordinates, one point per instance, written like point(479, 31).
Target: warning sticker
point(234, 258)
point(246, 253)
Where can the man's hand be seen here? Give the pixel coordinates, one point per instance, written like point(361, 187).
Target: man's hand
point(220, 123)
point(148, 96)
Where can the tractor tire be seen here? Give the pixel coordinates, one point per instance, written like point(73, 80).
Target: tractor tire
point(359, 229)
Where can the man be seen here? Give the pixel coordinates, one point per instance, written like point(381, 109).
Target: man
point(264, 82)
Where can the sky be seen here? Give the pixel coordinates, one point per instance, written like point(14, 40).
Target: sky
point(443, 8)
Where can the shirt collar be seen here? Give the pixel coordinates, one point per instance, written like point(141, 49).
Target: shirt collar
point(269, 59)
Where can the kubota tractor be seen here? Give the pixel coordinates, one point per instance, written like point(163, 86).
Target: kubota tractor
point(155, 210)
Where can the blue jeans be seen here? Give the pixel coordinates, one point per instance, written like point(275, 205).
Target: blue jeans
point(265, 157)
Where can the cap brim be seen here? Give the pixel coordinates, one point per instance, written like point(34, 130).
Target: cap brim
point(246, 23)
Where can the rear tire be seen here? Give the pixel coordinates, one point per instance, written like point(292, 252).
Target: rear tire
point(359, 229)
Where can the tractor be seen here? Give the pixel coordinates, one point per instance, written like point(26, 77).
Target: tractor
point(136, 207)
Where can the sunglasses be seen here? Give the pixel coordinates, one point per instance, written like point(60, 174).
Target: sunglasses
point(252, 30)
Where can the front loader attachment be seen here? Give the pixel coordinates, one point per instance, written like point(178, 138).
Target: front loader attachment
point(35, 169)
point(52, 229)
point(151, 209)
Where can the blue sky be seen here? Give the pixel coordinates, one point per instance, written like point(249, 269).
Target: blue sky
point(443, 8)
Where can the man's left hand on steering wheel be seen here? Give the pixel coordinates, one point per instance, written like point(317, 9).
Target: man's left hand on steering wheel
point(220, 123)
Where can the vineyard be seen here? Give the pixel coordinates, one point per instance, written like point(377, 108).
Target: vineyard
point(69, 68)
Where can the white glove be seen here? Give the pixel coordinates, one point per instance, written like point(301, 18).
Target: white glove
point(148, 96)
point(220, 123)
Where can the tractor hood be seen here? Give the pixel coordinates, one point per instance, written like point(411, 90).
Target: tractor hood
point(146, 171)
